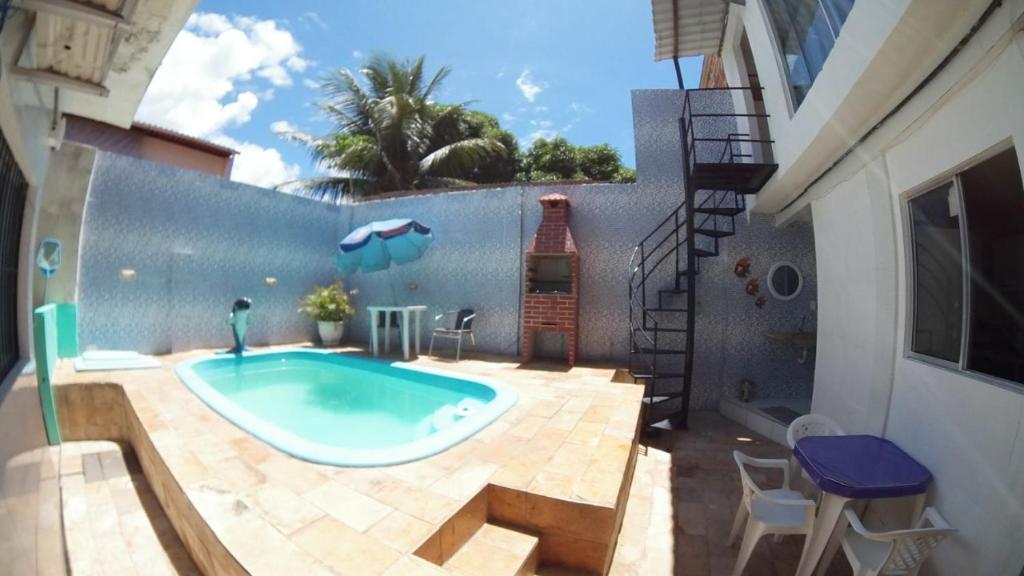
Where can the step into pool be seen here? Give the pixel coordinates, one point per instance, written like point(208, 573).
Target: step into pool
point(342, 409)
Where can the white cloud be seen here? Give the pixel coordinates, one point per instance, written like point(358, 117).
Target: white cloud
point(282, 126)
point(297, 64)
point(541, 129)
point(528, 86)
point(310, 83)
point(580, 108)
point(257, 165)
point(314, 18)
point(540, 108)
point(209, 23)
point(507, 118)
point(357, 54)
point(500, 74)
point(195, 90)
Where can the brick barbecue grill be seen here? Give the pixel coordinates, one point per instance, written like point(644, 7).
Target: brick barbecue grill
point(552, 282)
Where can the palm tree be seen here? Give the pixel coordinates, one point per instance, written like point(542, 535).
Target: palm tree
point(390, 134)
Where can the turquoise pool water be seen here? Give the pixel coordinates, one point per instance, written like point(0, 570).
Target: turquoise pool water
point(345, 410)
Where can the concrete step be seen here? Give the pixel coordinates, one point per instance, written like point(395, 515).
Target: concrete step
point(496, 550)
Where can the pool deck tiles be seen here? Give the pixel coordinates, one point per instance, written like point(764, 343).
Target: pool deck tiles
point(560, 459)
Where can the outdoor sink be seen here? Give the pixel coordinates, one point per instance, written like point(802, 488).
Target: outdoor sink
point(798, 339)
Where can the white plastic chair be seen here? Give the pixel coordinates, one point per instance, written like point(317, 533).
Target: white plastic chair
point(779, 511)
point(896, 552)
point(809, 425)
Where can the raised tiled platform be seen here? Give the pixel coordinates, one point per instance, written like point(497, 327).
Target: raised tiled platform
point(557, 466)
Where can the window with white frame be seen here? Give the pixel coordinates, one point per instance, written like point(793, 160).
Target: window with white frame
point(967, 270)
point(805, 31)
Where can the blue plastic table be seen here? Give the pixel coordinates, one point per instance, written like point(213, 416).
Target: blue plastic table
point(856, 467)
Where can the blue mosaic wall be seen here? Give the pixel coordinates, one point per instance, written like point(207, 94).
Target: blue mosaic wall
point(196, 243)
point(732, 342)
point(477, 256)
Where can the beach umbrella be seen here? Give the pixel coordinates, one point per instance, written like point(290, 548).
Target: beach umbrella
point(376, 245)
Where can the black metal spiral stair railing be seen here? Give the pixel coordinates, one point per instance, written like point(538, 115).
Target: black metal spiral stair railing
point(721, 165)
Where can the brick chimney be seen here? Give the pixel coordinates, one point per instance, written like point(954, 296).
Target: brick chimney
point(551, 294)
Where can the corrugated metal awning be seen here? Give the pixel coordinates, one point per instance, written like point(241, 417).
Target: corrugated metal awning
point(74, 41)
point(699, 24)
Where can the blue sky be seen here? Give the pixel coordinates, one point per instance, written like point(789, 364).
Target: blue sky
point(542, 66)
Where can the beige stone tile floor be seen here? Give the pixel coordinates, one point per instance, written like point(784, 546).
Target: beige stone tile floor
point(677, 519)
point(31, 537)
point(113, 523)
point(243, 506)
point(682, 502)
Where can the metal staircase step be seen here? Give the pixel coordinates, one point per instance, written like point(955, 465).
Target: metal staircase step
point(669, 330)
point(649, 350)
point(704, 253)
point(673, 291)
point(649, 376)
point(661, 397)
point(739, 177)
point(711, 232)
point(659, 329)
point(720, 210)
point(665, 309)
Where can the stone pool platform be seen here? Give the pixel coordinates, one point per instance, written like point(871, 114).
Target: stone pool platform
point(541, 490)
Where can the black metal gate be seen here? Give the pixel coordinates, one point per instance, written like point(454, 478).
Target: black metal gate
point(13, 189)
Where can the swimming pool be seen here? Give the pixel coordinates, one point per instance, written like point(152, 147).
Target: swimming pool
point(345, 410)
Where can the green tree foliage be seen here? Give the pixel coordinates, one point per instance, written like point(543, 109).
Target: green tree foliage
point(624, 175)
point(554, 159)
point(600, 162)
point(390, 135)
point(464, 123)
point(558, 159)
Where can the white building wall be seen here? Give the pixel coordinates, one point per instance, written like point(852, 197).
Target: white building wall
point(969, 431)
point(883, 51)
point(854, 244)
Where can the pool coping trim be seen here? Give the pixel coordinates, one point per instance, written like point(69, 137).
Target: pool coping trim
point(302, 448)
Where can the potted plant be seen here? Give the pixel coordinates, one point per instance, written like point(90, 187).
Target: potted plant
point(329, 306)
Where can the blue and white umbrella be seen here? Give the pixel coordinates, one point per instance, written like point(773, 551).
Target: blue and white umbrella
point(375, 246)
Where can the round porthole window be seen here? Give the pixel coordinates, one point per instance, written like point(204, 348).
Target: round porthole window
point(785, 281)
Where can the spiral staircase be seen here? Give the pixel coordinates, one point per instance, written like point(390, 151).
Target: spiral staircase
point(723, 164)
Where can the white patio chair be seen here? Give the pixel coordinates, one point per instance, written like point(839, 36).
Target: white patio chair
point(462, 326)
point(778, 511)
point(896, 552)
point(809, 425)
